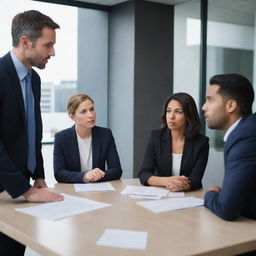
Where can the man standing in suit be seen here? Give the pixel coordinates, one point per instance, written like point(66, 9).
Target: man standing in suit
point(228, 107)
point(33, 36)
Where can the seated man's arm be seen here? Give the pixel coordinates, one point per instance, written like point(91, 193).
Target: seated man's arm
point(239, 180)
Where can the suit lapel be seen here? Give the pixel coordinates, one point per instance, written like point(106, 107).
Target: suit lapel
point(187, 151)
point(95, 148)
point(74, 149)
point(35, 90)
point(166, 149)
point(15, 83)
point(229, 141)
point(36, 94)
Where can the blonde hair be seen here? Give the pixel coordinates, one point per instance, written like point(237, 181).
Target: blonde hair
point(74, 102)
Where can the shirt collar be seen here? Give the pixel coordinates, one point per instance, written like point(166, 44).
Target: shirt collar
point(20, 68)
point(231, 128)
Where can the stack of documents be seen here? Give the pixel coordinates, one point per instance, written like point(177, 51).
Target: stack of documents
point(171, 204)
point(71, 205)
point(103, 186)
point(141, 192)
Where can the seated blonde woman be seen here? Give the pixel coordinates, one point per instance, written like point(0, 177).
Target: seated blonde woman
point(82, 151)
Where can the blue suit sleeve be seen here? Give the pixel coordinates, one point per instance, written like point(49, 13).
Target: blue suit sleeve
point(239, 180)
point(11, 178)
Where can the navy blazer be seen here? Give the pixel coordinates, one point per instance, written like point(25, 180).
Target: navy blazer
point(67, 168)
point(238, 193)
point(14, 175)
point(158, 159)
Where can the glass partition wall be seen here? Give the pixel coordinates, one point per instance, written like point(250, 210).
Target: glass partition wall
point(230, 45)
point(231, 48)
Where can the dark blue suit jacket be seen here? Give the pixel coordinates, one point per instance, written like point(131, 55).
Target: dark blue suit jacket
point(67, 168)
point(14, 176)
point(158, 159)
point(238, 194)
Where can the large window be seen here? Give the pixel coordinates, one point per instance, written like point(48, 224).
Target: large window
point(231, 48)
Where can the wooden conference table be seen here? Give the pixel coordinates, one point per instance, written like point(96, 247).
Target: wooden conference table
point(194, 231)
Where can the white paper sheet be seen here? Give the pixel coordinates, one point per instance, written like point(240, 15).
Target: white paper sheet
point(171, 204)
point(176, 194)
point(145, 197)
point(71, 205)
point(146, 192)
point(123, 239)
point(91, 187)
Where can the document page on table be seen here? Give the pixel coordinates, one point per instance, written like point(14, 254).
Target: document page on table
point(144, 191)
point(127, 239)
point(176, 194)
point(91, 187)
point(171, 204)
point(71, 205)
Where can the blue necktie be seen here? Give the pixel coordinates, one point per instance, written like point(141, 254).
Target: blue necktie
point(31, 126)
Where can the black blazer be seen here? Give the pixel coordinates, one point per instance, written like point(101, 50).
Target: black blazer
point(158, 159)
point(14, 176)
point(67, 168)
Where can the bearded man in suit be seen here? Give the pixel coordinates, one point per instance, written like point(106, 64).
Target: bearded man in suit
point(228, 107)
point(33, 39)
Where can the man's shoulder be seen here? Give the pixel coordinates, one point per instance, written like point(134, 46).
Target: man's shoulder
point(247, 124)
point(249, 119)
point(5, 62)
point(242, 140)
point(244, 130)
point(6, 57)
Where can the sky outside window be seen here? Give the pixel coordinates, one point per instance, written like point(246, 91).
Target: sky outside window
point(64, 65)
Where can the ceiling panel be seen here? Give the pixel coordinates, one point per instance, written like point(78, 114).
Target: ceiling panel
point(114, 2)
point(247, 6)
